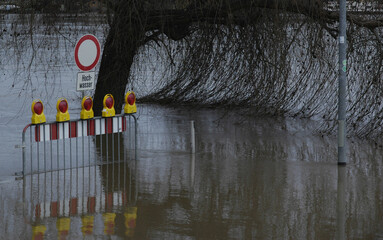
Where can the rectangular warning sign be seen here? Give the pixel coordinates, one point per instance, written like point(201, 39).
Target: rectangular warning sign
point(85, 81)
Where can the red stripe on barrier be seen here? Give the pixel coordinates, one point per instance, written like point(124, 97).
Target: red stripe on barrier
point(91, 205)
point(26, 127)
point(73, 206)
point(124, 198)
point(54, 132)
point(73, 129)
point(91, 128)
point(123, 123)
point(109, 201)
point(37, 133)
point(55, 209)
point(38, 236)
point(38, 211)
point(109, 125)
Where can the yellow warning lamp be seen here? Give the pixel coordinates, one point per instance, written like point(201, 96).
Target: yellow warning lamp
point(87, 225)
point(109, 223)
point(38, 232)
point(63, 226)
point(38, 115)
point(130, 103)
point(130, 221)
point(87, 110)
point(108, 110)
point(62, 110)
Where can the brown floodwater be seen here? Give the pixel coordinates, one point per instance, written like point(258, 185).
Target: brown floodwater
point(250, 178)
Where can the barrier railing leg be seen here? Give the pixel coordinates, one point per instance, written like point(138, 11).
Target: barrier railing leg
point(64, 145)
point(45, 152)
point(118, 149)
point(30, 134)
point(23, 153)
point(37, 128)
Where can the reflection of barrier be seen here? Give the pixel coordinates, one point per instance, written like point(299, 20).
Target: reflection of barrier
point(130, 221)
point(64, 144)
point(63, 208)
point(87, 224)
point(81, 198)
point(38, 232)
point(109, 224)
point(63, 227)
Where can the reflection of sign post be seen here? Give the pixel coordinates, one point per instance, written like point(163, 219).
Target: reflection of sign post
point(86, 54)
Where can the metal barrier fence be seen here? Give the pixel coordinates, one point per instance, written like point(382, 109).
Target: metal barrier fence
point(80, 143)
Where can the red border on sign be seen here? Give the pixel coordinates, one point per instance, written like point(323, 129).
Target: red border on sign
point(82, 39)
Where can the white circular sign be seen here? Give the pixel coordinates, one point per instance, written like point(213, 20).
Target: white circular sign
point(87, 52)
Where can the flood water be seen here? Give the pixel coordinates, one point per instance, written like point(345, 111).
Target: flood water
point(250, 178)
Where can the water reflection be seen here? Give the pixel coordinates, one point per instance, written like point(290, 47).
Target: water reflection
point(71, 203)
point(254, 178)
point(249, 179)
point(341, 203)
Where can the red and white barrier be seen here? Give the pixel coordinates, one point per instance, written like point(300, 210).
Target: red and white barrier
point(77, 205)
point(79, 128)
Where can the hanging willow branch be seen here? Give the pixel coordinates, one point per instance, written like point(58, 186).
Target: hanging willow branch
point(276, 57)
point(279, 57)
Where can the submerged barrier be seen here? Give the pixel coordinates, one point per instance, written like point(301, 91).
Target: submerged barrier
point(84, 142)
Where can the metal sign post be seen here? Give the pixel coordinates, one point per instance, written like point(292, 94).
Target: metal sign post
point(342, 83)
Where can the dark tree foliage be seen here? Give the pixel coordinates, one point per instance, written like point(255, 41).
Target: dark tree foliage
point(278, 57)
point(136, 22)
point(274, 57)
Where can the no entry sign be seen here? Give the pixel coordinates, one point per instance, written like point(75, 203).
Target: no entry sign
point(87, 52)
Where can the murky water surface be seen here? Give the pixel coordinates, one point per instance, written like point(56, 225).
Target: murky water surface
point(250, 178)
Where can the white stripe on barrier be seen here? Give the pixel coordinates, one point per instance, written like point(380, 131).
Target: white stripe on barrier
point(63, 130)
point(82, 127)
point(99, 130)
point(47, 135)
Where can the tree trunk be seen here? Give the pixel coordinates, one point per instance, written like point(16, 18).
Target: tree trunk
point(122, 43)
